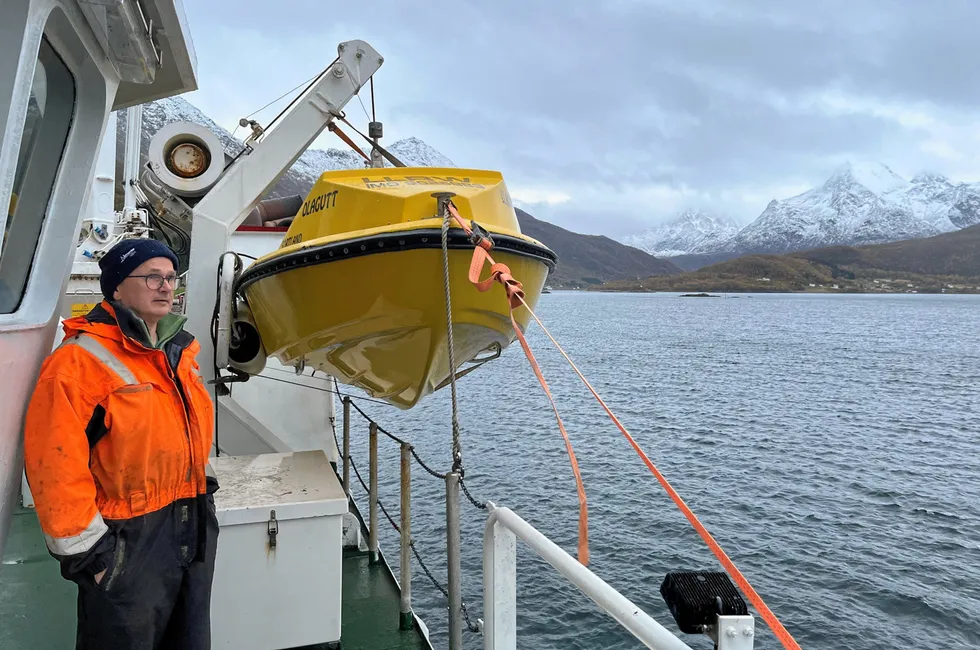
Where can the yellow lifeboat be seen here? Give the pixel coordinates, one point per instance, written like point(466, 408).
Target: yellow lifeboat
point(356, 289)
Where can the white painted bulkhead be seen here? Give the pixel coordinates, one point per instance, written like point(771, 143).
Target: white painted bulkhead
point(72, 87)
point(278, 411)
point(53, 73)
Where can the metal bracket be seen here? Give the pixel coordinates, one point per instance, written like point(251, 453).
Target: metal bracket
point(256, 128)
point(221, 380)
point(733, 632)
point(442, 202)
point(273, 529)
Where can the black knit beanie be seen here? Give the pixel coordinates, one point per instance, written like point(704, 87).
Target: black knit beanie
point(120, 260)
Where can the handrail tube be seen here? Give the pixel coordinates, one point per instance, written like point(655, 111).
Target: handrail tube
point(627, 614)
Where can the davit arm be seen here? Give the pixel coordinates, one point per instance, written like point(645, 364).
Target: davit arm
point(269, 155)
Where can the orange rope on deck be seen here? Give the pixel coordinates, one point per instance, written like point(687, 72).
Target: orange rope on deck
point(515, 295)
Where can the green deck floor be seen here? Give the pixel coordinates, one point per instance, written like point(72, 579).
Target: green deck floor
point(37, 606)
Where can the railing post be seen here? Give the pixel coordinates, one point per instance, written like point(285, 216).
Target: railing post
point(499, 589)
point(346, 445)
point(373, 528)
point(453, 559)
point(405, 618)
point(331, 433)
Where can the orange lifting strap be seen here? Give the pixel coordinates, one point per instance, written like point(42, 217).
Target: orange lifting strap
point(346, 138)
point(515, 296)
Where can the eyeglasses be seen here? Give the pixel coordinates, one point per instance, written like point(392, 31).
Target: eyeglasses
point(155, 281)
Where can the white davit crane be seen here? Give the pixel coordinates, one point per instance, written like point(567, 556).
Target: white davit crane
point(189, 177)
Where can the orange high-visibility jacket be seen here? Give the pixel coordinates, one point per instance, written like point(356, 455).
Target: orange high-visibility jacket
point(115, 428)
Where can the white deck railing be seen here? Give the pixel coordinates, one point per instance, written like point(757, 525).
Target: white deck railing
point(503, 527)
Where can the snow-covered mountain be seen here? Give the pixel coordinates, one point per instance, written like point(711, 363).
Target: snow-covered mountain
point(691, 232)
point(929, 197)
point(861, 203)
point(304, 172)
point(416, 153)
point(942, 204)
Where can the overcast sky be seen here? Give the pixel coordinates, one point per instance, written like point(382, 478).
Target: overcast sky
point(611, 116)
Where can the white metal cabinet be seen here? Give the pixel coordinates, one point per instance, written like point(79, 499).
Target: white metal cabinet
point(277, 582)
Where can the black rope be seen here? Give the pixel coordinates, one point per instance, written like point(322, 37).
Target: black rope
point(439, 476)
point(418, 558)
point(425, 569)
point(479, 505)
point(411, 448)
point(418, 459)
point(309, 84)
point(372, 421)
point(470, 625)
point(361, 480)
point(466, 614)
point(322, 390)
point(368, 490)
point(293, 89)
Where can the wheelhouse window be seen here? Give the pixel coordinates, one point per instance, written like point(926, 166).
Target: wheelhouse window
point(49, 116)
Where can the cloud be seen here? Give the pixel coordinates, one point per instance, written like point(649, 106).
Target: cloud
point(538, 195)
point(611, 115)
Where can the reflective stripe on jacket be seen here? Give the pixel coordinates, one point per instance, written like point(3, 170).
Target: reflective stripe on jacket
point(115, 428)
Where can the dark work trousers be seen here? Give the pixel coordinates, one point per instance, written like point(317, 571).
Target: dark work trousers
point(156, 593)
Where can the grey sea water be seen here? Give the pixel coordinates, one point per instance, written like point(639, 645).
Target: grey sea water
point(829, 443)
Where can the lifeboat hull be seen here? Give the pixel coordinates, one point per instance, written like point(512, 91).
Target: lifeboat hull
point(357, 288)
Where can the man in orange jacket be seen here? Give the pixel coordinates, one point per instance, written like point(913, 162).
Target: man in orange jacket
point(116, 444)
